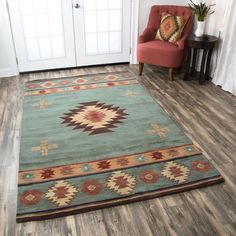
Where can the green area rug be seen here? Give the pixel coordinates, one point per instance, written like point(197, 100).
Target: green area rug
point(97, 141)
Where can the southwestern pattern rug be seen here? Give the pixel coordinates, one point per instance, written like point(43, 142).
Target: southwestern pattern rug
point(97, 141)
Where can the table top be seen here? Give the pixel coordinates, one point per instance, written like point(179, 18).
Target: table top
point(204, 39)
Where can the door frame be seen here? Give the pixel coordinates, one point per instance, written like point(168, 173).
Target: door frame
point(134, 31)
point(9, 68)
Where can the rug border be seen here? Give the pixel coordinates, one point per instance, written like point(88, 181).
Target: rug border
point(120, 201)
point(82, 75)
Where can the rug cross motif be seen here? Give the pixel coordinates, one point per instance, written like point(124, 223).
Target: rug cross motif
point(156, 129)
point(44, 147)
point(130, 93)
point(41, 104)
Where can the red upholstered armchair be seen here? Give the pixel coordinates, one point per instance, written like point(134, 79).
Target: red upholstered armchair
point(162, 53)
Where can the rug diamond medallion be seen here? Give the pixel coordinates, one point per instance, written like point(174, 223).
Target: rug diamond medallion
point(95, 117)
point(121, 182)
point(175, 172)
point(61, 193)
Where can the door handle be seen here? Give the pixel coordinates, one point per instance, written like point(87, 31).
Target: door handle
point(76, 5)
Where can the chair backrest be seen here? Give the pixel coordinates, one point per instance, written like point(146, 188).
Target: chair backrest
point(157, 10)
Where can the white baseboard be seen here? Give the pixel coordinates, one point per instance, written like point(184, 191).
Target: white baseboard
point(8, 72)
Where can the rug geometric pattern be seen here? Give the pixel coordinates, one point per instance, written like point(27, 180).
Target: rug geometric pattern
point(94, 117)
point(95, 141)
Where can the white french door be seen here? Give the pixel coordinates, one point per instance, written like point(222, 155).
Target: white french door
point(43, 33)
point(51, 34)
point(102, 31)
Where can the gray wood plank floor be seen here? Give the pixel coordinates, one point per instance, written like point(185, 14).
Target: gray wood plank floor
point(206, 114)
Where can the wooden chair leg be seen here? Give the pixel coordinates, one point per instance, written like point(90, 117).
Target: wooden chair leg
point(171, 74)
point(140, 68)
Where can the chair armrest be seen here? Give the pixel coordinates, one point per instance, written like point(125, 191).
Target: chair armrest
point(181, 42)
point(147, 35)
point(186, 33)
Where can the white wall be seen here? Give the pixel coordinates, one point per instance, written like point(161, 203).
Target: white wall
point(145, 6)
point(8, 65)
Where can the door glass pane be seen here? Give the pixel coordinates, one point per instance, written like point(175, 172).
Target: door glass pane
point(40, 7)
point(91, 43)
point(103, 43)
point(102, 21)
point(32, 49)
point(115, 42)
point(27, 7)
point(54, 6)
point(115, 20)
point(115, 4)
point(29, 26)
point(103, 18)
point(45, 47)
point(43, 28)
point(42, 25)
point(102, 4)
point(55, 24)
point(90, 21)
point(57, 46)
point(90, 5)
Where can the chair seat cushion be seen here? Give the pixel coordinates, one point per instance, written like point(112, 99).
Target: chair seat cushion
point(158, 45)
point(157, 52)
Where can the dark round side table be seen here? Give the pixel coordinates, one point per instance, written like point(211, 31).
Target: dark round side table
point(194, 45)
